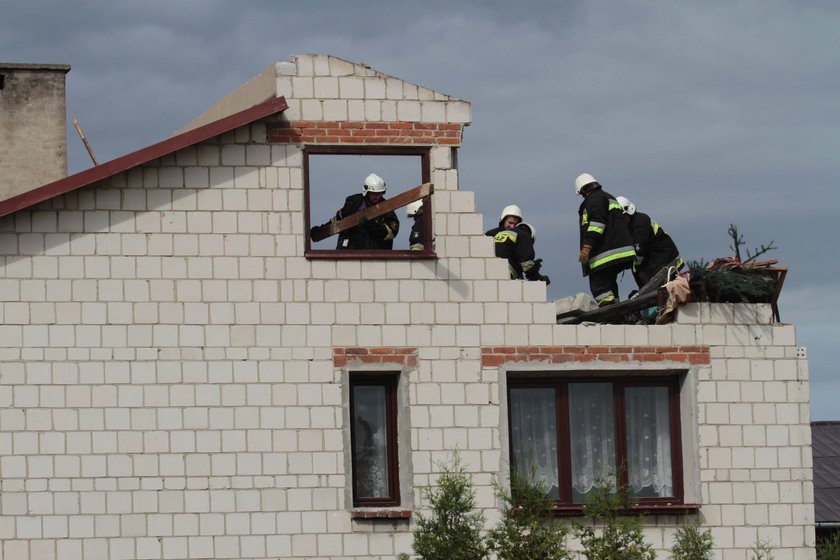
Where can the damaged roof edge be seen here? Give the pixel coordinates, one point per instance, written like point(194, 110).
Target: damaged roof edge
point(262, 86)
point(83, 178)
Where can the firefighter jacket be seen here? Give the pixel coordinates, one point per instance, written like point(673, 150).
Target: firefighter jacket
point(603, 227)
point(378, 233)
point(415, 238)
point(517, 246)
point(653, 246)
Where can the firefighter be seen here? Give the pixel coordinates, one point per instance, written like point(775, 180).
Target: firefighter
point(514, 241)
point(606, 246)
point(654, 247)
point(377, 233)
point(415, 238)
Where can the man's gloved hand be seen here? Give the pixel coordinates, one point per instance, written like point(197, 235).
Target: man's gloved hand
point(317, 233)
point(545, 279)
point(584, 253)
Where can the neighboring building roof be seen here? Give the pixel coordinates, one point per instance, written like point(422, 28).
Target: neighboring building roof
point(825, 441)
point(145, 155)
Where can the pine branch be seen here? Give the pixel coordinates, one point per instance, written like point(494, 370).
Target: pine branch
point(760, 251)
point(738, 242)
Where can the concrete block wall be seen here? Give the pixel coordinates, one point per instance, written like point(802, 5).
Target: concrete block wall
point(173, 370)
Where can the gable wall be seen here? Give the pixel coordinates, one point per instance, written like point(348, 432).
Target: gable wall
point(173, 376)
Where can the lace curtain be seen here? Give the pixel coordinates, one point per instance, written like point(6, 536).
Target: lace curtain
point(648, 441)
point(370, 445)
point(592, 431)
point(592, 437)
point(534, 435)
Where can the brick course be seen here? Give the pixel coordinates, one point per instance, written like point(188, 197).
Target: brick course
point(356, 132)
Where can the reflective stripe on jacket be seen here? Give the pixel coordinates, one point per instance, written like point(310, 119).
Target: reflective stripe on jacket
point(516, 245)
point(651, 241)
point(602, 226)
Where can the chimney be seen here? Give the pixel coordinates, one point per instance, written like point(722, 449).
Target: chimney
point(33, 126)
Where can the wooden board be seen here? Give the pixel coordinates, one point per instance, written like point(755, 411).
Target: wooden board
point(327, 230)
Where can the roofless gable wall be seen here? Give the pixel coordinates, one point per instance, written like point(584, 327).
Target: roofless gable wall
point(179, 380)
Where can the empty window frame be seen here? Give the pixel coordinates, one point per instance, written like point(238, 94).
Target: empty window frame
point(577, 433)
point(373, 439)
point(332, 173)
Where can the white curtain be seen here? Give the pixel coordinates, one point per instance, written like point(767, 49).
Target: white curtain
point(533, 421)
point(648, 441)
point(371, 441)
point(592, 430)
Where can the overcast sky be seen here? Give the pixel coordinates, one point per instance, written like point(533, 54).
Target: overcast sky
point(702, 113)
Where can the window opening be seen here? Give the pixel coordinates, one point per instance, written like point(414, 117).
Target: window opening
point(333, 174)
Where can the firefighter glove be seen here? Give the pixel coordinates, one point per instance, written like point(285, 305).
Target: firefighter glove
point(317, 233)
point(584, 253)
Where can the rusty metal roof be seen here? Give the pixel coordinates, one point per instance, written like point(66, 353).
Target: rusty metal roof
point(145, 155)
point(825, 441)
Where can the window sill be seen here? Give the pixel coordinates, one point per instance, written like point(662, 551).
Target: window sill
point(643, 509)
point(388, 514)
point(387, 255)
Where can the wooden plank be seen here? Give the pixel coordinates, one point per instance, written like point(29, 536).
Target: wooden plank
point(617, 311)
point(84, 140)
point(779, 274)
point(327, 230)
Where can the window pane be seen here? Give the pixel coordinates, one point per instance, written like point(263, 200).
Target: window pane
point(533, 435)
point(592, 434)
point(370, 446)
point(648, 442)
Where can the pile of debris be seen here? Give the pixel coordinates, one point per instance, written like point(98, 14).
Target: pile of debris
point(724, 280)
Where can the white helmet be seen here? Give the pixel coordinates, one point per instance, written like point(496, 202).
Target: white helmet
point(511, 210)
point(583, 180)
point(373, 183)
point(628, 207)
point(412, 209)
point(532, 229)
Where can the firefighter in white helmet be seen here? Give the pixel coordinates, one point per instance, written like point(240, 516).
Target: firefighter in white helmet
point(415, 238)
point(606, 246)
point(514, 241)
point(654, 247)
point(377, 233)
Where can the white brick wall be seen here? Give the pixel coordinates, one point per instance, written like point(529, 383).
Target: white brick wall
point(167, 386)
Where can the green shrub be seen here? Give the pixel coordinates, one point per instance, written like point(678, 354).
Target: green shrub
point(829, 547)
point(690, 543)
point(620, 537)
point(528, 529)
point(453, 530)
point(762, 550)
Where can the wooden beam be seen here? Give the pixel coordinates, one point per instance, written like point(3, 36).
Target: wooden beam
point(327, 230)
point(84, 140)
